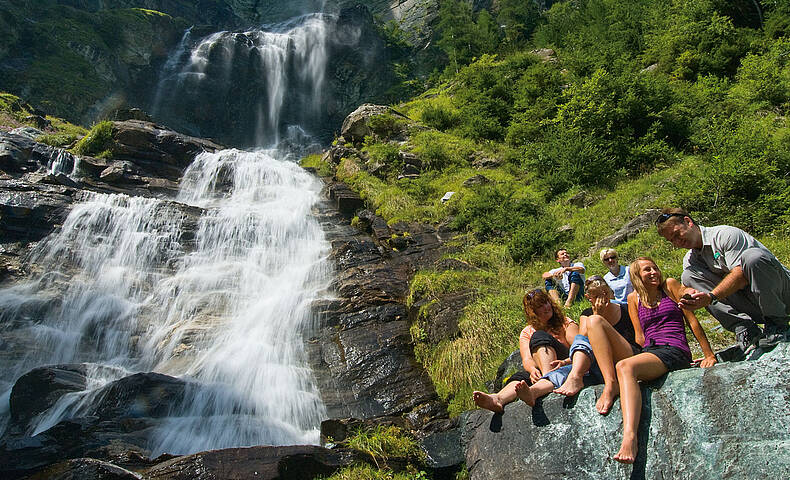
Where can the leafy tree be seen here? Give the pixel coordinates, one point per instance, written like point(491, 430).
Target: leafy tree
point(456, 38)
point(518, 18)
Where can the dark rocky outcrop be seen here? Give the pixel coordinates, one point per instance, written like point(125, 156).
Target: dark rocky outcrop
point(266, 463)
point(729, 421)
point(630, 229)
point(156, 148)
point(113, 427)
point(84, 469)
point(362, 355)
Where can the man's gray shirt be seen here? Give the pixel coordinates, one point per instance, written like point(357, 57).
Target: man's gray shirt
point(722, 247)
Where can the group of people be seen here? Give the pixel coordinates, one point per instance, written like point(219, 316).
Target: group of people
point(635, 328)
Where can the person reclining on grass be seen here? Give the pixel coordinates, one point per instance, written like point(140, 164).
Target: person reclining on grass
point(566, 281)
point(659, 328)
point(734, 276)
point(550, 350)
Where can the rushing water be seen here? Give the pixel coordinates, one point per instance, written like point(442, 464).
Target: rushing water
point(123, 286)
point(246, 77)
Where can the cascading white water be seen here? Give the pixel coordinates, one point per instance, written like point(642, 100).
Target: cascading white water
point(275, 56)
point(119, 288)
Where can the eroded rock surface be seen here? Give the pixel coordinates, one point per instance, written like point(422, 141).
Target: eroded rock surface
point(729, 421)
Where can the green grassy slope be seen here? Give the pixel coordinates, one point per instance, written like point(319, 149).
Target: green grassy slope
point(642, 104)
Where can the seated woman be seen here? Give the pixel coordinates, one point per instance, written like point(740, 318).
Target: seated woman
point(659, 328)
point(611, 334)
point(618, 278)
point(546, 343)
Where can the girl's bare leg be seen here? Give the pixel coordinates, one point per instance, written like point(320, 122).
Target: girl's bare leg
point(496, 402)
point(543, 357)
point(575, 381)
point(609, 348)
point(529, 394)
point(630, 371)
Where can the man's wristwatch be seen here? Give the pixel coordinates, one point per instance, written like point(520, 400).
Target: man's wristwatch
point(713, 298)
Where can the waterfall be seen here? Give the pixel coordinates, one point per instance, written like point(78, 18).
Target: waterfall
point(231, 313)
point(214, 287)
point(243, 78)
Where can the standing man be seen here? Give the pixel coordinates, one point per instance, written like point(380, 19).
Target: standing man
point(734, 276)
point(566, 281)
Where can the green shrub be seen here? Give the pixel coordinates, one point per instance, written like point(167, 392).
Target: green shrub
point(387, 125)
point(536, 236)
point(382, 442)
point(439, 117)
point(97, 142)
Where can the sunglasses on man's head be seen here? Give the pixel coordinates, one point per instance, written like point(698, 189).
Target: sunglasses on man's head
point(666, 216)
point(609, 259)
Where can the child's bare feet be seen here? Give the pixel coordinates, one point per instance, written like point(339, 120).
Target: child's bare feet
point(571, 386)
point(487, 401)
point(606, 400)
point(523, 392)
point(627, 453)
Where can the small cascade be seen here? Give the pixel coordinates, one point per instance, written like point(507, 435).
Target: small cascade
point(169, 69)
point(63, 163)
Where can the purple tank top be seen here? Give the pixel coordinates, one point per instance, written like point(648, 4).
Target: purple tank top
point(664, 325)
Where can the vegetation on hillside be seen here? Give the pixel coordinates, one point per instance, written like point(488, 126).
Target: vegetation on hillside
point(624, 105)
point(16, 113)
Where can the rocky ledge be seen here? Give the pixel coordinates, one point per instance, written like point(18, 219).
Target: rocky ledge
point(729, 421)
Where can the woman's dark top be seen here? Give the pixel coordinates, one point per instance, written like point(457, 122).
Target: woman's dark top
point(624, 327)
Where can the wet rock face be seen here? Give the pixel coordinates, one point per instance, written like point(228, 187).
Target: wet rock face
point(84, 469)
point(362, 355)
point(156, 148)
point(115, 425)
point(729, 421)
point(39, 389)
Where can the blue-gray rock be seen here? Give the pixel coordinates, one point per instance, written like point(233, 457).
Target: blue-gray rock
point(729, 421)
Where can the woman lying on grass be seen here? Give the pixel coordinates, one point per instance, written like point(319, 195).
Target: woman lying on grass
point(545, 345)
point(659, 328)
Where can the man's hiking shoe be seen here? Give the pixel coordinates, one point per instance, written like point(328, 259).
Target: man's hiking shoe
point(773, 335)
point(733, 353)
point(746, 339)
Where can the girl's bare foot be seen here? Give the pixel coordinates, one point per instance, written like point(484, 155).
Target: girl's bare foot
point(628, 448)
point(606, 400)
point(571, 386)
point(487, 401)
point(523, 392)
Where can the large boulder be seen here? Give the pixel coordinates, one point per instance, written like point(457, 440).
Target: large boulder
point(157, 148)
point(637, 224)
point(356, 126)
point(728, 421)
point(112, 423)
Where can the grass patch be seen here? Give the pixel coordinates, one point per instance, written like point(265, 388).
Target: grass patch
point(368, 472)
point(98, 142)
point(382, 442)
point(322, 167)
